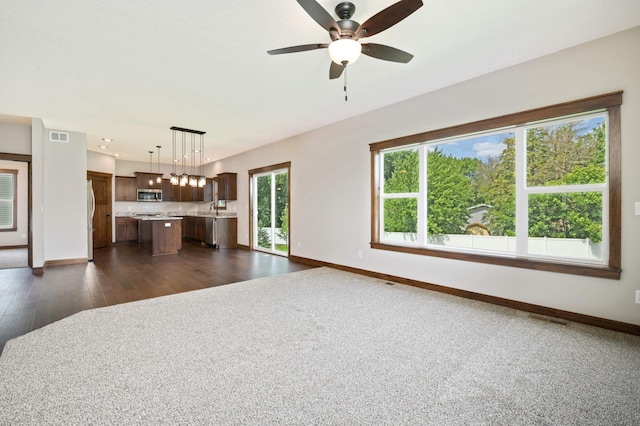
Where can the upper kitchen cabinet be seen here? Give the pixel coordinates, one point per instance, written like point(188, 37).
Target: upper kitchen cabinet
point(181, 193)
point(148, 180)
point(227, 186)
point(167, 193)
point(126, 188)
point(186, 193)
point(205, 193)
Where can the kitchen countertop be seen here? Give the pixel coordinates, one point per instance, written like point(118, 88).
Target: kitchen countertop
point(158, 217)
point(173, 215)
point(210, 214)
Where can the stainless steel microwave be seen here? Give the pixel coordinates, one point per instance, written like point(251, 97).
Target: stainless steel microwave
point(149, 194)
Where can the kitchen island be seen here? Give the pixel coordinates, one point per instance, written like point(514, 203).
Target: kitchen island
point(160, 235)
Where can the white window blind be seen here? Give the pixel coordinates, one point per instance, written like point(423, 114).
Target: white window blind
point(7, 195)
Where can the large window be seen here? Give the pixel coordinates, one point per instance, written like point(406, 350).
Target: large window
point(537, 189)
point(8, 200)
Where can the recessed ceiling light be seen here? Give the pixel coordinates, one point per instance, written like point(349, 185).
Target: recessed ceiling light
point(103, 147)
point(115, 154)
point(208, 159)
point(176, 161)
point(107, 139)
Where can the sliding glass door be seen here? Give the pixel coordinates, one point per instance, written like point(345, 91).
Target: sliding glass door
point(271, 211)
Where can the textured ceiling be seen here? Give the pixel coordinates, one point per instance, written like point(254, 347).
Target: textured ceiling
point(129, 70)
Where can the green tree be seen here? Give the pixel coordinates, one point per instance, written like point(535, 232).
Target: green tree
point(572, 215)
point(449, 193)
point(401, 170)
point(485, 175)
point(573, 157)
point(501, 194)
point(264, 201)
point(284, 223)
point(282, 197)
point(554, 151)
point(264, 238)
point(401, 175)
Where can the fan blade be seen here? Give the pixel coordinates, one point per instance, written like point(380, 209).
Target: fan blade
point(386, 53)
point(387, 18)
point(300, 48)
point(335, 70)
point(319, 14)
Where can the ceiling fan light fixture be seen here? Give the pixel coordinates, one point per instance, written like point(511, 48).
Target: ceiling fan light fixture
point(345, 50)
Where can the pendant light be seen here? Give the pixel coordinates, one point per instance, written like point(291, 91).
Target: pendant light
point(159, 178)
point(193, 180)
point(184, 179)
point(151, 167)
point(174, 177)
point(202, 180)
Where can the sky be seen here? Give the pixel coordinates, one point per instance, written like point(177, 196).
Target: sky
point(480, 147)
point(492, 145)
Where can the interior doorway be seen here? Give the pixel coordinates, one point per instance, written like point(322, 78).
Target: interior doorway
point(16, 241)
point(101, 184)
point(270, 202)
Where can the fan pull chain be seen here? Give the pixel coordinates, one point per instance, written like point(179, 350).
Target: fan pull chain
point(345, 84)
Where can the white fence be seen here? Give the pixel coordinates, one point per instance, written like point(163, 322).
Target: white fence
point(276, 235)
point(555, 247)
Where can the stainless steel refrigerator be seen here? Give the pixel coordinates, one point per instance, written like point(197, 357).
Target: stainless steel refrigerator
point(91, 209)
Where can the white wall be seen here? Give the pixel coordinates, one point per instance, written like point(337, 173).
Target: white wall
point(65, 197)
point(15, 139)
point(18, 237)
point(128, 168)
point(103, 163)
point(330, 177)
point(37, 192)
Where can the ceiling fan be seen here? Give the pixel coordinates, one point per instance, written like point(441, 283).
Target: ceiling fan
point(345, 48)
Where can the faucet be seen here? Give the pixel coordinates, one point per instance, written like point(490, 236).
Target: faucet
point(211, 207)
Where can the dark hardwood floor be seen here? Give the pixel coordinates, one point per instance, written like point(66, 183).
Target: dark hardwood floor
point(122, 274)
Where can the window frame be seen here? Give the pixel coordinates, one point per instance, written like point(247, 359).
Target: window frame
point(609, 102)
point(14, 226)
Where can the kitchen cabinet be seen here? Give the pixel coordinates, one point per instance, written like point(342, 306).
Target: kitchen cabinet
point(186, 193)
point(205, 193)
point(178, 193)
point(144, 179)
point(126, 230)
point(195, 228)
point(167, 190)
point(175, 193)
point(126, 188)
point(200, 229)
point(227, 186)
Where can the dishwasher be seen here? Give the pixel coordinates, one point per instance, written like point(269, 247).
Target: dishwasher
point(211, 232)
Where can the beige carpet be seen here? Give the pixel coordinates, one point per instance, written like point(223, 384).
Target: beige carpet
point(318, 347)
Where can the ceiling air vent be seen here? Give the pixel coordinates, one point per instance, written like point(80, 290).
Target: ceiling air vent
point(58, 136)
